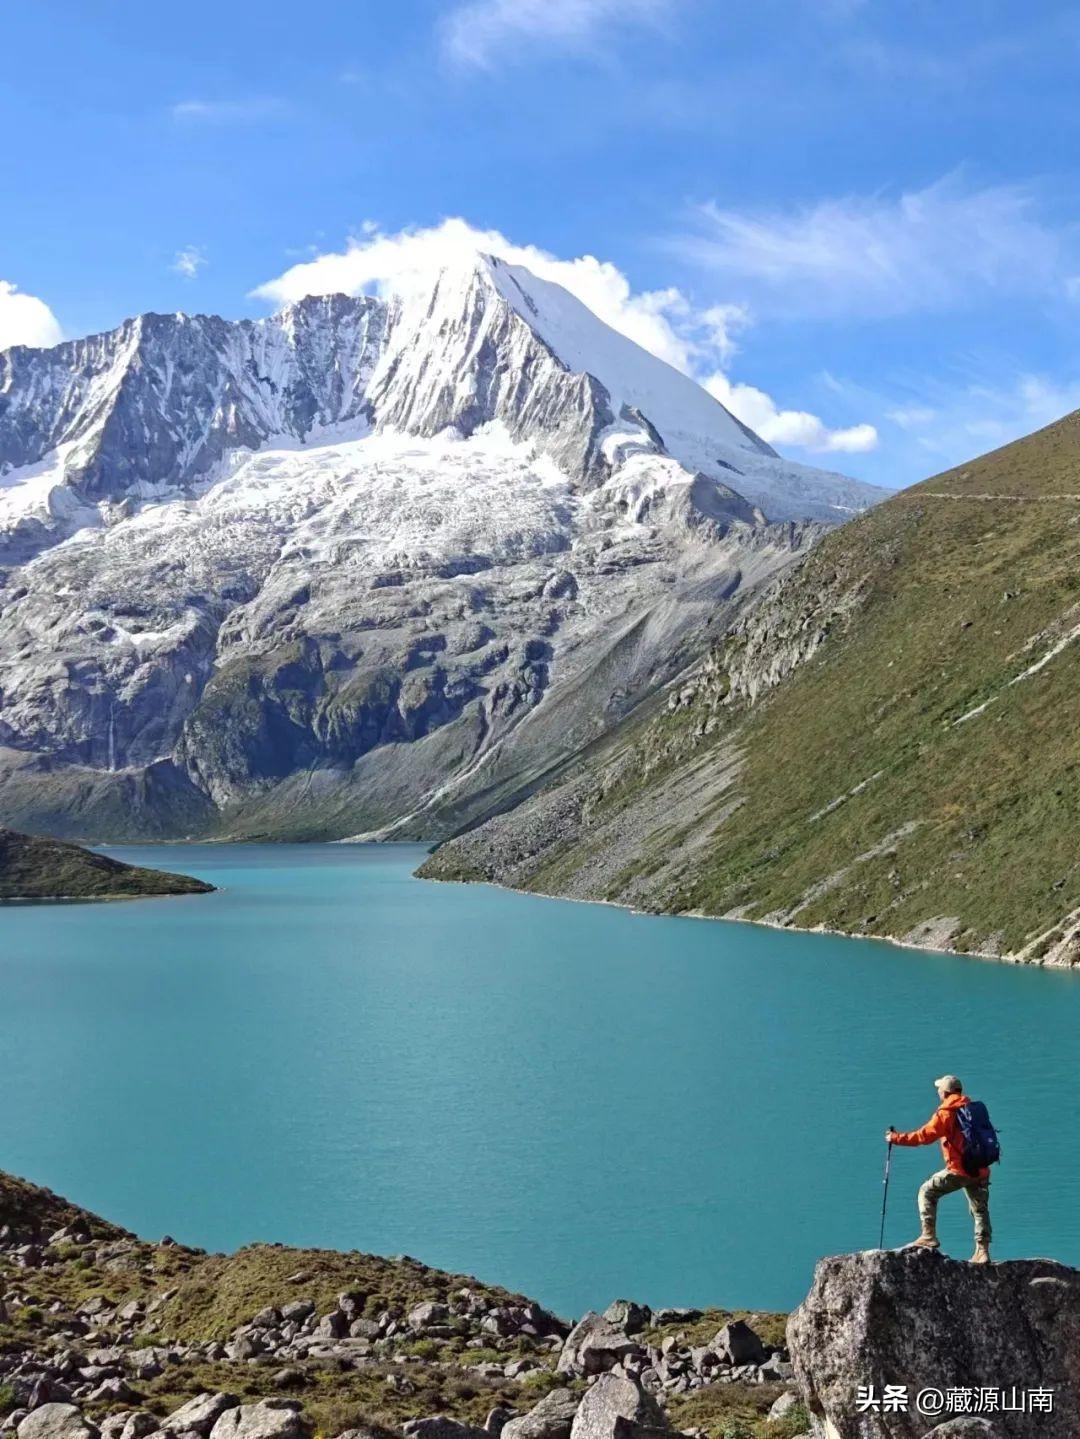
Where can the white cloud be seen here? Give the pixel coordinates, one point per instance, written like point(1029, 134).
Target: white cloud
point(700, 342)
point(931, 249)
point(476, 32)
point(26, 320)
point(788, 427)
point(188, 261)
point(662, 321)
point(225, 112)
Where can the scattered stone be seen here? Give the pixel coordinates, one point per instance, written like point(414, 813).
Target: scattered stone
point(783, 1407)
point(288, 1378)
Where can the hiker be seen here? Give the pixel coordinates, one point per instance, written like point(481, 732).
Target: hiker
point(975, 1183)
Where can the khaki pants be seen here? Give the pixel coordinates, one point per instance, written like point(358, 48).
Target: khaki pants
point(977, 1192)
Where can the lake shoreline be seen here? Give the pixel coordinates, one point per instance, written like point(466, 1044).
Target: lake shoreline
point(895, 941)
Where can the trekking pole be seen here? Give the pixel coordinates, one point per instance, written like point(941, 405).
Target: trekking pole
point(885, 1193)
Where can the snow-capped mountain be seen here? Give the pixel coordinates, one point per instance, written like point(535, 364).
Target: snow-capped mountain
point(365, 563)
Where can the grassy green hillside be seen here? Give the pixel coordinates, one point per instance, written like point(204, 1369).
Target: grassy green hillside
point(914, 775)
point(35, 868)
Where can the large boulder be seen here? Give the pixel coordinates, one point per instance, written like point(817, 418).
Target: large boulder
point(957, 1334)
point(594, 1345)
point(56, 1421)
point(625, 1314)
point(616, 1407)
point(268, 1419)
point(550, 1419)
point(200, 1414)
point(737, 1343)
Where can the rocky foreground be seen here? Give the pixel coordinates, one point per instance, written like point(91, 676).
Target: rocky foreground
point(105, 1336)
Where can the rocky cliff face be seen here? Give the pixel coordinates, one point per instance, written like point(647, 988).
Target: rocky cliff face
point(993, 1351)
point(366, 566)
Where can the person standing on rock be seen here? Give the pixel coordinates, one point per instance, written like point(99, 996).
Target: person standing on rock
point(943, 1125)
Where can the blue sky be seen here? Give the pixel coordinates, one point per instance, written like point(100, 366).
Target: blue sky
point(858, 222)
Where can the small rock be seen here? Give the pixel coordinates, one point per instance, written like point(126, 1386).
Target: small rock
point(287, 1378)
point(783, 1407)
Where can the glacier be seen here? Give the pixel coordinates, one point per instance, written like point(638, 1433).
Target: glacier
point(370, 565)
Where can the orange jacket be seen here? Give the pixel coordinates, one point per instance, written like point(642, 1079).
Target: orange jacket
point(942, 1125)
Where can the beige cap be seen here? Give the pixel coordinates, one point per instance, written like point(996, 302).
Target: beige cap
point(949, 1083)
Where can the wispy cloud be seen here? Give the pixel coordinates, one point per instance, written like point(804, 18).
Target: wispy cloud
point(188, 261)
point(227, 112)
point(958, 422)
point(932, 422)
point(480, 32)
point(700, 341)
point(874, 257)
point(26, 320)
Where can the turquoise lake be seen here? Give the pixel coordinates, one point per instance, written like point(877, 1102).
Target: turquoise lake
point(567, 1099)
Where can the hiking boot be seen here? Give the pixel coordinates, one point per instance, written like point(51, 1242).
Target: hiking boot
point(927, 1239)
point(981, 1255)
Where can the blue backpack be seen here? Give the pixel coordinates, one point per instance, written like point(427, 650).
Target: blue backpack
point(979, 1143)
